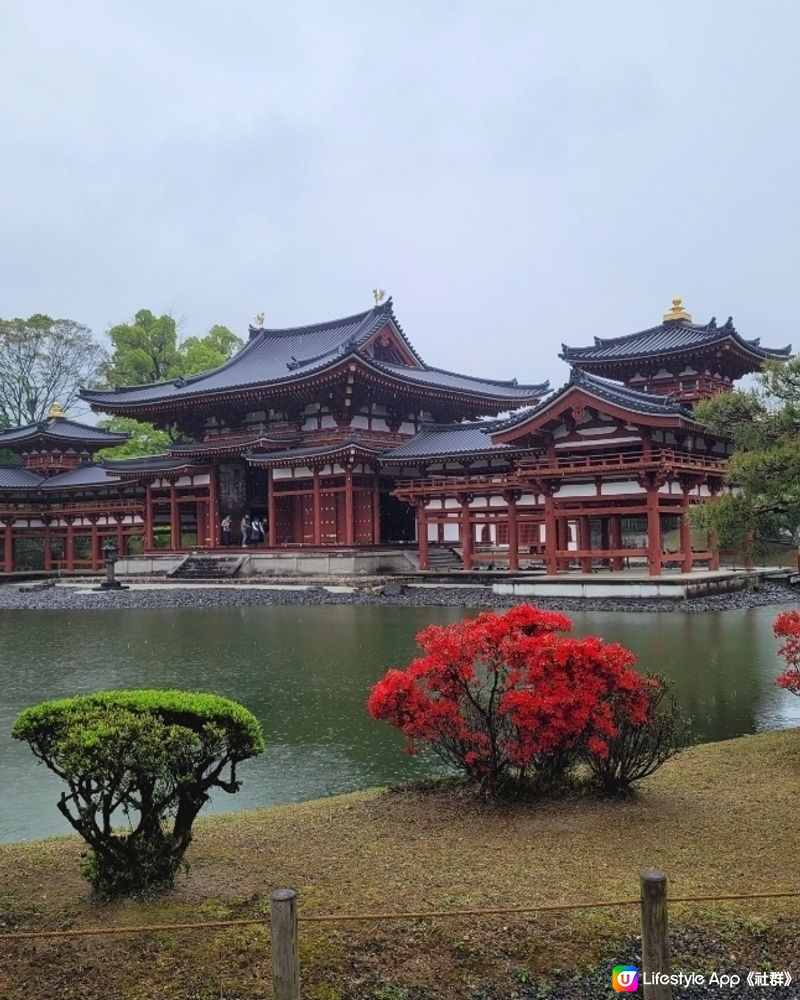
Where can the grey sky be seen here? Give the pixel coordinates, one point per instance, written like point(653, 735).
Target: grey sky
point(514, 174)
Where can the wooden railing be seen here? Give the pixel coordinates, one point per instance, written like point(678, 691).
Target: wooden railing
point(617, 461)
point(560, 467)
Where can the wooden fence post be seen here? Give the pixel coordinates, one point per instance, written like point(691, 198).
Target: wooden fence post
point(655, 939)
point(285, 954)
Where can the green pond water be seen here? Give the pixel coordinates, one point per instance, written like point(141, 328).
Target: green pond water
point(306, 672)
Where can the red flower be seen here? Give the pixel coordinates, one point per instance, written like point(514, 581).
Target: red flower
point(498, 694)
point(787, 625)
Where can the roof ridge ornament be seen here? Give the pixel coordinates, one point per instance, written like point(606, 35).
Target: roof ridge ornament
point(379, 294)
point(56, 412)
point(678, 313)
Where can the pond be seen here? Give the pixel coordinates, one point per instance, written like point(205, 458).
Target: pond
point(306, 672)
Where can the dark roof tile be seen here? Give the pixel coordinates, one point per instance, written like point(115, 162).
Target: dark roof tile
point(59, 429)
point(83, 476)
point(441, 440)
point(14, 477)
point(611, 392)
point(667, 338)
point(277, 356)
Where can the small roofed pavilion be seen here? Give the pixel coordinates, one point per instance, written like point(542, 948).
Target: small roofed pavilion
point(57, 444)
point(599, 475)
point(58, 507)
point(686, 360)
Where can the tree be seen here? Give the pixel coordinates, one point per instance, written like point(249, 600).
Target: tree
point(148, 758)
point(42, 361)
point(200, 354)
point(764, 471)
point(143, 351)
point(145, 439)
point(513, 704)
point(148, 350)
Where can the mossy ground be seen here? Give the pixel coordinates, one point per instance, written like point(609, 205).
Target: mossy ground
point(718, 819)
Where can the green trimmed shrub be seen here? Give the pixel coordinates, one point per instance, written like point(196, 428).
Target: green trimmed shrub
point(148, 759)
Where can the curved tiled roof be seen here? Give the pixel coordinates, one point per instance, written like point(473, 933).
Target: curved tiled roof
point(150, 463)
point(274, 357)
point(441, 440)
point(63, 431)
point(611, 392)
point(442, 379)
point(312, 451)
point(83, 476)
point(14, 477)
point(668, 338)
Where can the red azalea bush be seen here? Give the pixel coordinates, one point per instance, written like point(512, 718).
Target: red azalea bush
point(512, 702)
point(787, 626)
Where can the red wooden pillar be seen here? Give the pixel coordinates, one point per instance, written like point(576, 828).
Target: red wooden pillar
point(349, 525)
point(467, 540)
point(550, 540)
point(376, 510)
point(97, 560)
point(653, 532)
point(585, 542)
point(8, 547)
point(201, 516)
point(317, 510)
point(69, 546)
point(213, 527)
point(686, 536)
point(120, 535)
point(48, 547)
point(174, 519)
point(272, 524)
point(615, 536)
point(422, 534)
point(149, 542)
point(513, 533)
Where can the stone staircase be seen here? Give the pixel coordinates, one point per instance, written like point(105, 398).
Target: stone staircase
point(206, 567)
point(441, 557)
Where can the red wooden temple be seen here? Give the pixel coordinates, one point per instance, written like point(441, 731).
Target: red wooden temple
point(338, 435)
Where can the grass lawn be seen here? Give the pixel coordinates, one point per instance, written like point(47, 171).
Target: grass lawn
point(719, 818)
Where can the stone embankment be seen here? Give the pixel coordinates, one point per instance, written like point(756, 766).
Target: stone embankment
point(373, 594)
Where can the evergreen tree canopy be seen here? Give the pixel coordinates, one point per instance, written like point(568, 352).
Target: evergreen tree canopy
point(764, 471)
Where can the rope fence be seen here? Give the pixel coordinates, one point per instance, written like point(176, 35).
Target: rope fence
point(332, 918)
point(284, 919)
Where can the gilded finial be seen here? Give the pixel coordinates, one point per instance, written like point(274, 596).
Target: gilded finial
point(379, 295)
point(56, 412)
point(677, 313)
point(260, 320)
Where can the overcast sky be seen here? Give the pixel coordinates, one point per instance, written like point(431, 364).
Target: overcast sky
point(515, 175)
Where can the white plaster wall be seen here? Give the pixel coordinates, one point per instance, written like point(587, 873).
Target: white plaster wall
point(621, 486)
point(576, 490)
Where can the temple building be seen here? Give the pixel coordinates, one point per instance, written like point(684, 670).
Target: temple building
point(338, 437)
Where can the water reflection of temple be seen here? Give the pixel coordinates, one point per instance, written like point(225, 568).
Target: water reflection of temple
point(339, 437)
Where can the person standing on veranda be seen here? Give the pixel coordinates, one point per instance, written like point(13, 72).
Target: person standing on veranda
point(226, 530)
point(245, 527)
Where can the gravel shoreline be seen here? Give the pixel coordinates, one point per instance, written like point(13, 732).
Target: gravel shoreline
point(71, 597)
